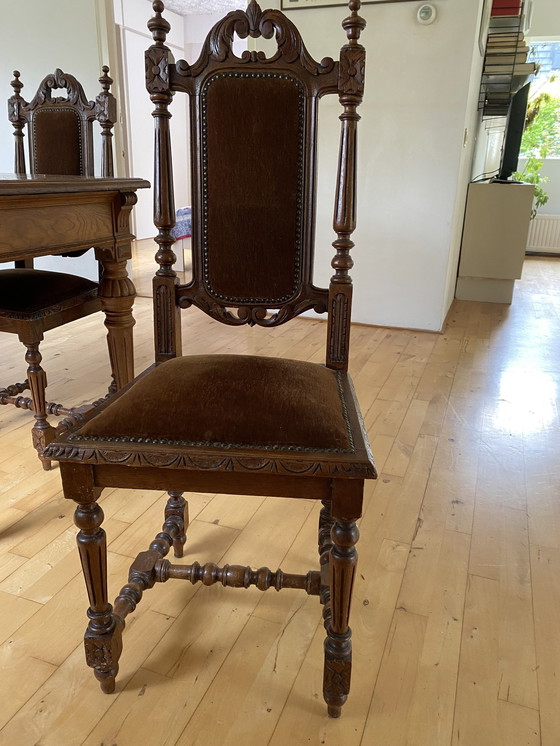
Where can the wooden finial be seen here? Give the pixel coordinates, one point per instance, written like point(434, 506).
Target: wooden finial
point(354, 24)
point(16, 83)
point(106, 115)
point(158, 25)
point(105, 80)
point(15, 104)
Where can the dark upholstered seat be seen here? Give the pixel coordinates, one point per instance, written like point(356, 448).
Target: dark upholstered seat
point(238, 424)
point(297, 408)
point(32, 293)
point(34, 301)
point(295, 405)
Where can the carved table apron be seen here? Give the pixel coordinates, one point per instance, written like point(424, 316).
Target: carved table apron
point(47, 215)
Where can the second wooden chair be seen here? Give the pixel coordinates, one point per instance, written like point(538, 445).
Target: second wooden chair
point(34, 301)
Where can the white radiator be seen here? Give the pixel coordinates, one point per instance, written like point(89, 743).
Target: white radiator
point(544, 234)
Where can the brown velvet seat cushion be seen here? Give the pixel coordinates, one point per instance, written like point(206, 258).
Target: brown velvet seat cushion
point(230, 400)
point(24, 292)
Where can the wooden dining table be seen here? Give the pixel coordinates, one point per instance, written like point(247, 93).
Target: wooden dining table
point(44, 215)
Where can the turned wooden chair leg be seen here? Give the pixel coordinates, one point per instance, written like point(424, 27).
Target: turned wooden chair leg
point(103, 637)
point(175, 525)
point(338, 645)
point(177, 512)
point(42, 432)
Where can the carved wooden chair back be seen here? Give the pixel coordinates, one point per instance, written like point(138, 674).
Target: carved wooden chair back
point(253, 154)
point(60, 128)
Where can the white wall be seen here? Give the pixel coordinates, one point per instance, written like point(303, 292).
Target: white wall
point(413, 166)
point(545, 19)
point(132, 17)
point(185, 41)
point(44, 41)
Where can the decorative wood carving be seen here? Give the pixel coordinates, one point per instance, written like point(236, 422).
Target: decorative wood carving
point(338, 339)
point(127, 201)
point(254, 23)
point(253, 315)
point(352, 71)
point(133, 456)
point(102, 654)
point(336, 684)
point(157, 69)
point(75, 95)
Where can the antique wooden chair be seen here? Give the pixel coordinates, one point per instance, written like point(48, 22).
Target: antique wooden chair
point(238, 424)
point(34, 301)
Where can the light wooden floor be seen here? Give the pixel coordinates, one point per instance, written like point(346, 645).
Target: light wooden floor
point(457, 603)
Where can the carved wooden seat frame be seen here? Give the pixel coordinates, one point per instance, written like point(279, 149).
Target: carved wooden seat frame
point(88, 466)
point(31, 328)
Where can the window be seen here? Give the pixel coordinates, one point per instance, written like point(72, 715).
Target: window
point(542, 133)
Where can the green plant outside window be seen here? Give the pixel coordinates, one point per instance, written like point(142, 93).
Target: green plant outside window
point(541, 137)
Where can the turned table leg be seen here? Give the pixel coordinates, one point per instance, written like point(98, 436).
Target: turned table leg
point(117, 293)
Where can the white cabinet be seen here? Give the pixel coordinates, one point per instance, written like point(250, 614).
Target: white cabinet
point(494, 240)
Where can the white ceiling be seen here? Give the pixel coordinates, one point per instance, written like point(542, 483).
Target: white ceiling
point(188, 7)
